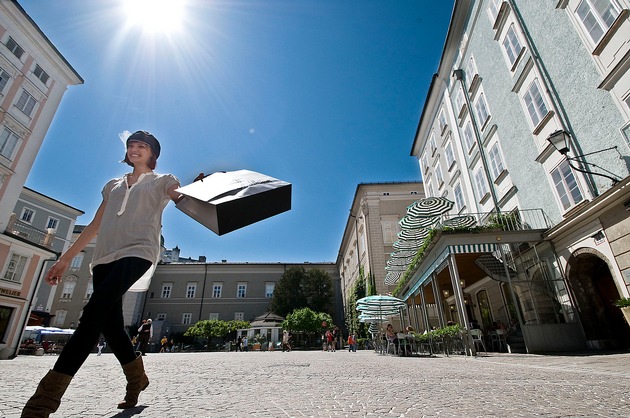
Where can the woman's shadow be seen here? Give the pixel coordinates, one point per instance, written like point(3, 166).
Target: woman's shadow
point(130, 412)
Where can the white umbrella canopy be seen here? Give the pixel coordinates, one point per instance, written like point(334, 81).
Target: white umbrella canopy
point(464, 221)
point(430, 207)
point(416, 222)
point(392, 277)
point(413, 234)
point(381, 301)
point(411, 245)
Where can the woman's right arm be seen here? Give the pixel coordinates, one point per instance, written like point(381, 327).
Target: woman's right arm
point(53, 276)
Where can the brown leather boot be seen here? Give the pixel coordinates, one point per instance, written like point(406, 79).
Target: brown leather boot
point(137, 381)
point(48, 395)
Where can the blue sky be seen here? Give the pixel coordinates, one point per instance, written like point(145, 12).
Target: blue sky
point(324, 94)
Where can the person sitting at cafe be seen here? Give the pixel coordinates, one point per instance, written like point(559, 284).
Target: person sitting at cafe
point(392, 337)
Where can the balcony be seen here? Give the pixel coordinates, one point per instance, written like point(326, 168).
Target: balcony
point(27, 233)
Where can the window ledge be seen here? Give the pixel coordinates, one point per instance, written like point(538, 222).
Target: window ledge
point(603, 43)
point(484, 198)
point(517, 60)
point(503, 174)
point(543, 122)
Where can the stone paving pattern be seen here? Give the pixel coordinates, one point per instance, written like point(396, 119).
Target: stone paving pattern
point(339, 384)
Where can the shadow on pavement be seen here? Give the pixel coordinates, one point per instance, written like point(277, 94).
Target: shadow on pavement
point(130, 412)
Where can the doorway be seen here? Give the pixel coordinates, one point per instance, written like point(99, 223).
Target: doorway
point(595, 291)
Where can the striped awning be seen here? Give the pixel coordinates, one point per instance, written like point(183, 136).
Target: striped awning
point(472, 248)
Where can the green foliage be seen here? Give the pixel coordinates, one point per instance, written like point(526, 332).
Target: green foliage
point(623, 303)
point(306, 320)
point(301, 288)
point(506, 221)
point(352, 315)
point(450, 331)
point(214, 328)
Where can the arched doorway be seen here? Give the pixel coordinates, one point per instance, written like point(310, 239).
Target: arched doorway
point(595, 291)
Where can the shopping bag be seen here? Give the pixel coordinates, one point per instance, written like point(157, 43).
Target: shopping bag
point(226, 201)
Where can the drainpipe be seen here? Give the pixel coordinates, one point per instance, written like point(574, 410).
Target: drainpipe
point(555, 99)
point(203, 289)
point(460, 75)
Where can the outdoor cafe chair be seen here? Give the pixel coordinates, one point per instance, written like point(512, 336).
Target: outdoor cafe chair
point(477, 337)
point(404, 344)
point(498, 338)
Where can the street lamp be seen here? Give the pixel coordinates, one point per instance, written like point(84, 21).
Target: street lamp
point(561, 141)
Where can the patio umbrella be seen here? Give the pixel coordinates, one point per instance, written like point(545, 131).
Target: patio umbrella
point(404, 245)
point(381, 301)
point(399, 261)
point(402, 254)
point(392, 277)
point(429, 207)
point(415, 222)
point(396, 268)
point(460, 221)
point(413, 234)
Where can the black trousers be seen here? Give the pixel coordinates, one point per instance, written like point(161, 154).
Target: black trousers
point(103, 315)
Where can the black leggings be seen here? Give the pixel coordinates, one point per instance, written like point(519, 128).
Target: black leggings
point(103, 314)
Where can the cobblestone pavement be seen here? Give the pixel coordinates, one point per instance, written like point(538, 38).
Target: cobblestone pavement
point(340, 384)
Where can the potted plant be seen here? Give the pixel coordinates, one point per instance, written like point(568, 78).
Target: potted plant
point(624, 305)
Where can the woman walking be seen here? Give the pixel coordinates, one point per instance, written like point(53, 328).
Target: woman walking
point(128, 224)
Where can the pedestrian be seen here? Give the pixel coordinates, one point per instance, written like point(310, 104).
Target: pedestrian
point(145, 334)
point(285, 341)
point(164, 344)
point(245, 348)
point(239, 343)
point(100, 346)
point(127, 227)
point(330, 343)
point(352, 343)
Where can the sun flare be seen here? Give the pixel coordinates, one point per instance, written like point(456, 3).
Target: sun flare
point(155, 16)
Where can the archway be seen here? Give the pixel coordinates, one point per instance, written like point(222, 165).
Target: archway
point(595, 291)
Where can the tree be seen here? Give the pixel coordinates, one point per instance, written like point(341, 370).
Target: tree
point(306, 321)
point(214, 328)
point(300, 288)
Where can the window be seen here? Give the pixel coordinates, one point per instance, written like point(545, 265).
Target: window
point(432, 143)
point(213, 315)
point(438, 175)
point(14, 47)
point(239, 316)
point(241, 290)
point(76, 262)
point(191, 289)
point(60, 317)
point(4, 79)
point(511, 45)
point(186, 318)
point(496, 162)
point(166, 290)
point(459, 100)
point(161, 317)
point(448, 154)
point(535, 104)
point(566, 186)
point(89, 290)
point(481, 183)
point(68, 289)
point(469, 136)
point(8, 143)
point(442, 121)
point(493, 9)
point(471, 71)
point(41, 74)
point(27, 215)
point(430, 191)
point(52, 223)
point(390, 231)
point(597, 16)
point(269, 288)
point(459, 197)
point(15, 268)
point(425, 162)
point(26, 103)
point(481, 110)
point(216, 290)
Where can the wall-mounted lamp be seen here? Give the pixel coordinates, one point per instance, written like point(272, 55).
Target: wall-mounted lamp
point(561, 141)
point(462, 283)
point(446, 293)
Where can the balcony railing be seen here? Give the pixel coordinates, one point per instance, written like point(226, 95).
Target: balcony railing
point(26, 232)
point(521, 220)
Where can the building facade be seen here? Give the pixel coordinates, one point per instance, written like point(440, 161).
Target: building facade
point(550, 252)
point(33, 79)
point(181, 294)
point(370, 233)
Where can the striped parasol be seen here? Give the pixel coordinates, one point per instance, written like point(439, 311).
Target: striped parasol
point(464, 221)
point(404, 245)
point(392, 277)
point(396, 268)
point(413, 234)
point(429, 207)
point(415, 222)
point(403, 254)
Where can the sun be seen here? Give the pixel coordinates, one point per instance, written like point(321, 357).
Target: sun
point(155, 16)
